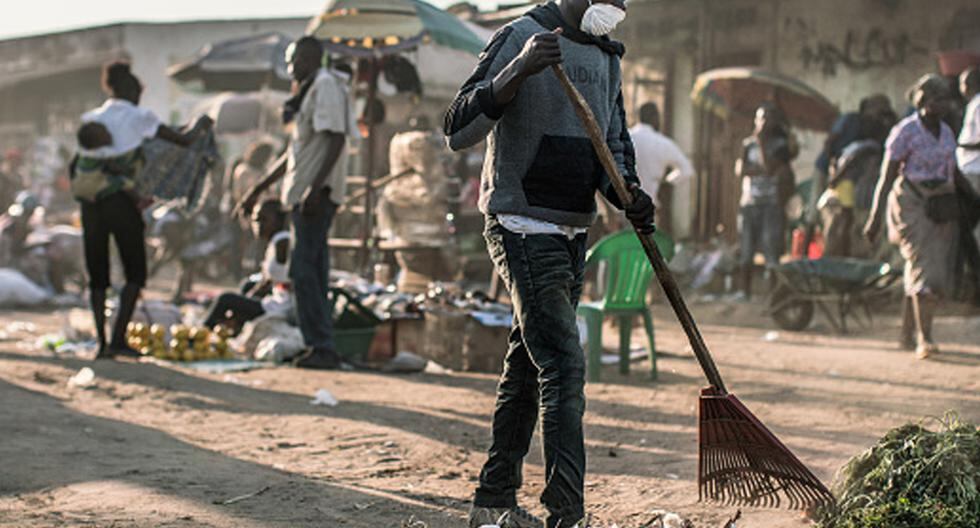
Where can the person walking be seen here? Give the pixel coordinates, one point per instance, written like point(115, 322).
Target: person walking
point(916, 191)
point(315, 182)
point(538, 190)
point(122, 126)
point(658, 159)
point(766, 156)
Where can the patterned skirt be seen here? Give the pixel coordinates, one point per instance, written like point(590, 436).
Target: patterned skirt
point(929, 248)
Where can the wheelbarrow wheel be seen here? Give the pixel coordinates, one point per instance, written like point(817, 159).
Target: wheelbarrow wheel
point(789, 311)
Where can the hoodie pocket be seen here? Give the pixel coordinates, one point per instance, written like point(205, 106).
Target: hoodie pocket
point(563, 176)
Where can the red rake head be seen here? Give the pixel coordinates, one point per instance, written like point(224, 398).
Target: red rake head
point(742, 462)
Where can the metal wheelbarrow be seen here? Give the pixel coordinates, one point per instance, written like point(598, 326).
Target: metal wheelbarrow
point(840, 288)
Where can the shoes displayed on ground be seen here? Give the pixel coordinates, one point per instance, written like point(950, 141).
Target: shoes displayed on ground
point(515, 517)
point(926, 349)
point(319, 359)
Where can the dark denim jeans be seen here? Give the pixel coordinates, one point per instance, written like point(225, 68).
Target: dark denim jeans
point(544, 371)
point(309, 269)
point(762, 231)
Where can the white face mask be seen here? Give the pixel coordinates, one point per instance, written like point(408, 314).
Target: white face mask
point(601, 18)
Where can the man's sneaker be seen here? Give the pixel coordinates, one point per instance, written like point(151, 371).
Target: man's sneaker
point(515, 517)
point(585, 522)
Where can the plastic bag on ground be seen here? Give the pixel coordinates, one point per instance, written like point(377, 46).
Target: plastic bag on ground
point(666, 519)
point(324, 397)
point(17, 290)
point(406, 362)
point(267, 326)
point(279, 349)
point(83, 378)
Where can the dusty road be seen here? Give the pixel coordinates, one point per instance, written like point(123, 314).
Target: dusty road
point(157, 446)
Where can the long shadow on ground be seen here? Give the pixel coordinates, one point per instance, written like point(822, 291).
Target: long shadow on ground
point(55, 446)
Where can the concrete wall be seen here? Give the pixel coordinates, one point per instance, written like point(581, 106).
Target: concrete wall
point(850, 49)
point(846, 49)
point(46, 81)
point(155, 47)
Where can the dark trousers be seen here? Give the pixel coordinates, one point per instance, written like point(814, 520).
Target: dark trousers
point(309, 269)
point(544, 371)
point(762, 231)
point(238, 309)
point(838, 223)
point(117, 216)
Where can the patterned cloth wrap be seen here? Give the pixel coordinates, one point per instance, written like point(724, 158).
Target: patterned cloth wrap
point(95, 178)
point(172, 171)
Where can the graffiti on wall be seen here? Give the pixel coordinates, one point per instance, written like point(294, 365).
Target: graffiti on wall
point(858, 50)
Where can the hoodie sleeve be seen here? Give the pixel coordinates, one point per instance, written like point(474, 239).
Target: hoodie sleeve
point(473, 114)
point(621, 146)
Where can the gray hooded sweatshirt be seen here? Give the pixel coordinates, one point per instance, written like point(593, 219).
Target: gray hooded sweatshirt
point(539, 161)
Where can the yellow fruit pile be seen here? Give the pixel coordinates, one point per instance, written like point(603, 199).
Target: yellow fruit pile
point(187, 343)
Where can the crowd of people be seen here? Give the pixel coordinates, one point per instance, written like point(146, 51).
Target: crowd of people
point(313, 171)
point(912, 176)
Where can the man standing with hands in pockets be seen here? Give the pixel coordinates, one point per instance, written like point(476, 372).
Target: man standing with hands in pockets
point(538, 194)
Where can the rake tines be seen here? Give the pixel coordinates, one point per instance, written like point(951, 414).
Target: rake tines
point(742, 462)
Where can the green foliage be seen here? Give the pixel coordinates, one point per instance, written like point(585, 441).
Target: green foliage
point(903, 513)
point(912, 478)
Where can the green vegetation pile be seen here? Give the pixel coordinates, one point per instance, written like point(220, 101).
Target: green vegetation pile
point(913, 477)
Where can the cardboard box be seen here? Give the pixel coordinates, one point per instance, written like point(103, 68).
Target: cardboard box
point(397, 334)
point(464, 341)
point(484, 347)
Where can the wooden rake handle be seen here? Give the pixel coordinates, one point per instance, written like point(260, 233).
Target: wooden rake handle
point(664, 275)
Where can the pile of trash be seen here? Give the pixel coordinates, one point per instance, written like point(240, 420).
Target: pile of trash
point(706, 268)
point(387, 302)
point(657, 519)
point(912, 478)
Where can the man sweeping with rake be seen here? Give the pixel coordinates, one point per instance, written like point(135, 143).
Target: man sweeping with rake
point(538, 194)
point(537, 188)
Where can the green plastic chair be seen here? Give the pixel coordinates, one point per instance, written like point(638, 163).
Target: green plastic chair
point(627, 276)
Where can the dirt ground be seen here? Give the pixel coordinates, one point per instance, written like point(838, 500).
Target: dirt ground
point(159, 446)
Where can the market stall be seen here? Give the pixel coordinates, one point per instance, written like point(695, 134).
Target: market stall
point(382, 36)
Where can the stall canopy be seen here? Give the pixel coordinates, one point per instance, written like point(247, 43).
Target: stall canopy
point(725, 91)
point(379, 27)
point(245, 64)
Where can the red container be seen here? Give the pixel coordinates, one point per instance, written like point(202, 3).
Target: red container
point(815, 250)
point(954, 62)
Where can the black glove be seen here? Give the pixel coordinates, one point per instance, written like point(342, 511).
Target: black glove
point(640, 212)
